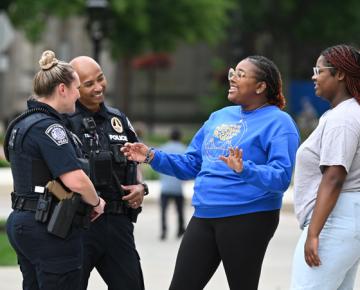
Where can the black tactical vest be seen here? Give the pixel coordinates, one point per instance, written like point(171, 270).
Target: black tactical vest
point(101, 143)
point(27, 170)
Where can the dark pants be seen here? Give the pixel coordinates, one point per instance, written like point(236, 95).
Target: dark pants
point(179, 202)
point(46, 261)
point(109, 246)
point(239, 242)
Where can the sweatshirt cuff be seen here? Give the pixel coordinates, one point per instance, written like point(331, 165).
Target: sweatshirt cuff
point(156, 160)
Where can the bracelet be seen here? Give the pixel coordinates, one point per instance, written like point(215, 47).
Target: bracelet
point(147, 155)
point(97, 203)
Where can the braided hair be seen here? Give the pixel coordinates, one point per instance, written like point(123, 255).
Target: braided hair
point(345, 58)
point(268, 72)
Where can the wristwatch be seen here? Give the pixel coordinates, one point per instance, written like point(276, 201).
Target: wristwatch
point(146, 188)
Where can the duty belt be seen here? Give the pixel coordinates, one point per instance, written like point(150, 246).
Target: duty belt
point(28, 204)
point(22, 203)
point(116, 207)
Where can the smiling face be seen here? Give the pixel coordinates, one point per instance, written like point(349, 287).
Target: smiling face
point(244, 86)
point(93, 82)
point(326, 84)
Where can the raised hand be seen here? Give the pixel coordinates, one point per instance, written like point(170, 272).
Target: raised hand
point(135, 151)
point(234, 160)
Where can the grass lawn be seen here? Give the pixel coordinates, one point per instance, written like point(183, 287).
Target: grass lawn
point(7, 254)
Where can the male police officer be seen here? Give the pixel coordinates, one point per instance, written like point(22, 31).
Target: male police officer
point(109, 244)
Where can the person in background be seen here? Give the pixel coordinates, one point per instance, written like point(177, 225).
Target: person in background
point(242, 160)
point(171, 187)
point(327, 179)
point(40, 149)
point(109, 245)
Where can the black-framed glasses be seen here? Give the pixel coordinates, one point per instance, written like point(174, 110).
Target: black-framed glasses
point(317, 70)
point(239, 74)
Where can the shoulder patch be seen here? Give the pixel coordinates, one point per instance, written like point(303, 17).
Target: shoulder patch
point(117, 125)
point(57, 133)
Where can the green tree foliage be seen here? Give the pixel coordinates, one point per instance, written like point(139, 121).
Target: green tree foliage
point(296, 29)
point(31, 16)
point(134, 26)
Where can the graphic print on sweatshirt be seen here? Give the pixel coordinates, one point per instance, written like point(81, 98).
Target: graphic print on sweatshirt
point(223, 137)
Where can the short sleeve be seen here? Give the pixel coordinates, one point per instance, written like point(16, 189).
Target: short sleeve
point(338, 146)
point(52, 142)
point(131, 133)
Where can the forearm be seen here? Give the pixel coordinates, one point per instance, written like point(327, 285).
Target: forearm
point(77, 181)
point(327, 196)
point(139, 175)
point(182, 166)
point(272, 177)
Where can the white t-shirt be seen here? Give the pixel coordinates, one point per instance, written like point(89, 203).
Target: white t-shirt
point(335, 141)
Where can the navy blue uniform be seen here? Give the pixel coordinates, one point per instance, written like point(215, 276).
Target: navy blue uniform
point(109, 244)
point(41, 149)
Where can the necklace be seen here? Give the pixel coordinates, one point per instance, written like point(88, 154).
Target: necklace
point(253, 110)
point(243, 117)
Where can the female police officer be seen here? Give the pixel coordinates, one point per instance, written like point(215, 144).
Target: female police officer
point(39, 150)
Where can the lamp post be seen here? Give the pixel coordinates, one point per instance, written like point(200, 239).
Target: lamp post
point(96, 24)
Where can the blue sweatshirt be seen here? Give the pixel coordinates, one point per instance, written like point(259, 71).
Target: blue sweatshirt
point(269, 139)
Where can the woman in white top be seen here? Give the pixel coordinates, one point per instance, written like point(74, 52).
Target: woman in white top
point(327, 179)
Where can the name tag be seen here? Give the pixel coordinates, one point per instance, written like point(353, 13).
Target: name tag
point(114, 137)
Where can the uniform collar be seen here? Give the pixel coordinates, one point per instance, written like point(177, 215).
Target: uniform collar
point(102, 112)
point(33, 103)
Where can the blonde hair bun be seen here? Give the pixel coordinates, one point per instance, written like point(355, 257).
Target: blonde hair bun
point(48, 60)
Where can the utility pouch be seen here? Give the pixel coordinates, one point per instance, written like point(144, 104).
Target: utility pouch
point(63, 216)
point(100, 167)
point(43, 205)
point(119, 157)
point(131, 173)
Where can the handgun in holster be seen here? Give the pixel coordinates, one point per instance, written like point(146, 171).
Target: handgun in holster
point(63, 216)
point(65, 210)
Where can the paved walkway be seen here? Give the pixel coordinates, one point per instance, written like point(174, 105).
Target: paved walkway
point(158, 257)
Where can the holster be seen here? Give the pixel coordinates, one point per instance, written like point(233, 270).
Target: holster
point(69, 210)
point(63, 216)
point(133, 214)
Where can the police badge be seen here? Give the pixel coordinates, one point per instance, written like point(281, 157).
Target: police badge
point(116, 124)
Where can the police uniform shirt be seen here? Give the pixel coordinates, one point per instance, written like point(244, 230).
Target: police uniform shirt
point(48, 140)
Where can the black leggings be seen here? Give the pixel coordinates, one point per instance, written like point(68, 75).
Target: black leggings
point(239, 242)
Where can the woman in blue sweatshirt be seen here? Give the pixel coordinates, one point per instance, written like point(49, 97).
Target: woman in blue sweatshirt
point(242, 160)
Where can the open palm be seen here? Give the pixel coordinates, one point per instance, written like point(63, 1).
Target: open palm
point(135, 151)
point(234, 159)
